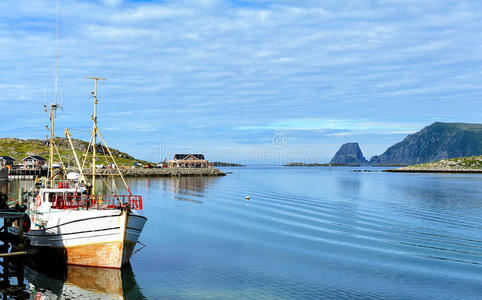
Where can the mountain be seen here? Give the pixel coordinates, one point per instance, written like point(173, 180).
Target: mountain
point(19, 149)
point(435, 142)
point(349, 154)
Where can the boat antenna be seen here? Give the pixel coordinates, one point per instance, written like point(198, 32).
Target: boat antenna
point(52, 108)
point(56, 48)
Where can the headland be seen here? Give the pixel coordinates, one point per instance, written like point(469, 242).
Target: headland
point(471, 164)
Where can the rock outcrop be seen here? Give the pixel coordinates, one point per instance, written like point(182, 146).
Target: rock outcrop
point(435, 142)
point(349, 154)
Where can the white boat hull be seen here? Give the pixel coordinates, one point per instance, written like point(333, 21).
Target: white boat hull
point(99, 238)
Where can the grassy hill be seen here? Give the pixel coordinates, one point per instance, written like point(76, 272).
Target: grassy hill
point(461, 163)
point(19, 149)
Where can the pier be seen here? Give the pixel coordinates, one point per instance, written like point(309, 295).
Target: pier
point(10, 215)
point(26, 173)
point(166, 172)
point(12, 249)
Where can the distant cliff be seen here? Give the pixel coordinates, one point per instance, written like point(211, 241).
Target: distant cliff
point(349, 154)
point(435, 142)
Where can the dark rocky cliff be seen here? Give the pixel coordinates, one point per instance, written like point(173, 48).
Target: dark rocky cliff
point(435, 142)
point(349, 154)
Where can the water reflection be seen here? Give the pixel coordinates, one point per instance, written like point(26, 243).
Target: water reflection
point(348, 191)
point(189, 189)
point(12, 279)
point(14, 187)
point(348, 187)
point(82, 282)
point(189, 186)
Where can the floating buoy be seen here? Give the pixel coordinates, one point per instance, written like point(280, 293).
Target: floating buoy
point(247, 198)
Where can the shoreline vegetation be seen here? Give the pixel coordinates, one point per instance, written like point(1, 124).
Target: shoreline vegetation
point(471, 164)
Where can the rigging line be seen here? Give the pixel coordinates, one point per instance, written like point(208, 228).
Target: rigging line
point(103, 180)
point(60, 157)
point(86, 152)
point(113, 159)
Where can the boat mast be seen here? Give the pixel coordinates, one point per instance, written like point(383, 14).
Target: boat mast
point(51, 110)
point(94, 130)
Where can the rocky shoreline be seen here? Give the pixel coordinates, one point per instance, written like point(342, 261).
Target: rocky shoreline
point(167, 172)
point(460, 171)
point(472, 165)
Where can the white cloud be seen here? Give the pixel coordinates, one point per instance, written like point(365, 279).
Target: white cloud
point(214, 64)
point(346, 126)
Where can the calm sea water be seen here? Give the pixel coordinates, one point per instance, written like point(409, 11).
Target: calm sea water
point(306, 233)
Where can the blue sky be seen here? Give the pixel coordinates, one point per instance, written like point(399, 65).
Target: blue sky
point(249, 81)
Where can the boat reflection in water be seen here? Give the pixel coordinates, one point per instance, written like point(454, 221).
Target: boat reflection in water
point(73, 282)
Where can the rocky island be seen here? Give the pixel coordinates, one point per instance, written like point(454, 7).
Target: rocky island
point(349, 154)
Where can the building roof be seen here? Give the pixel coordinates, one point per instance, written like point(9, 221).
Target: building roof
point(36, 157)
point(185, 156)
point(7, 158)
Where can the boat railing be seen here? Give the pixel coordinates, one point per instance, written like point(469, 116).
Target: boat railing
point(97, 201)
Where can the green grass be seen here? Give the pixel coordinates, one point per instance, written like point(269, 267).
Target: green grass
point(19, 149)
point(468, 163)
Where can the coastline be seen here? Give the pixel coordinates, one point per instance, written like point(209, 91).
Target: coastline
point(167, 172)
point(461, 165)
point(446, 171)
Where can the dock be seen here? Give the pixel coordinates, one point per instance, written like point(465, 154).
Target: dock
point(167, 172)
point(10, 215)
point(25, 173)
point(12, 249)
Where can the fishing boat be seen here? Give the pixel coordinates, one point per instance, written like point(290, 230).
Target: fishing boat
point(73, 221)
